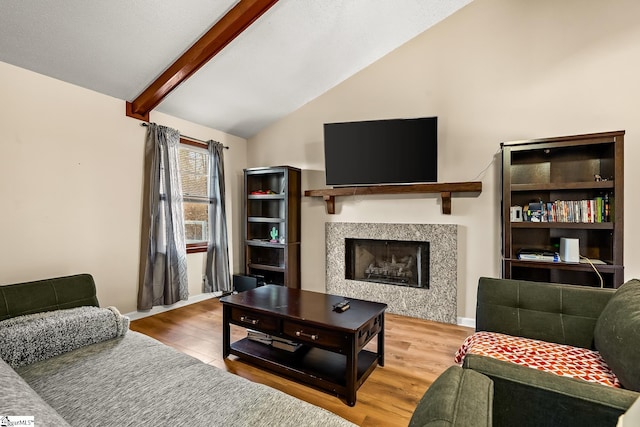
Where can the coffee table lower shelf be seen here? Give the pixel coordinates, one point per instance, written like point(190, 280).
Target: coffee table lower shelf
point(311, 365)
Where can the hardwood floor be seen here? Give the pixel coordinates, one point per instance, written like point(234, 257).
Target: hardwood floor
point(416, 352)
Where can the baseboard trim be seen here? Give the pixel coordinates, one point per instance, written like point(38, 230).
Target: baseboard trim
point(135, 315)
point(469, 322)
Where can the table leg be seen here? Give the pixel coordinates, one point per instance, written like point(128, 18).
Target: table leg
point(226, 331)
point(381, 341)
point(352, 371)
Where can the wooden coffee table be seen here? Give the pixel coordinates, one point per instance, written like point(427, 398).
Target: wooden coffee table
point(331, 357)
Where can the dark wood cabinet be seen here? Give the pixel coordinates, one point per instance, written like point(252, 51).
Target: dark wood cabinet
point(572, 170)
point(272, 224)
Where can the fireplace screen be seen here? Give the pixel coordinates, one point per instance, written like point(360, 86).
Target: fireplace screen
point(394, 262)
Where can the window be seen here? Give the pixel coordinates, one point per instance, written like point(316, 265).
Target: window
point(194, 173)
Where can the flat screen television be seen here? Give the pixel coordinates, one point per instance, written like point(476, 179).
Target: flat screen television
point(393, 151)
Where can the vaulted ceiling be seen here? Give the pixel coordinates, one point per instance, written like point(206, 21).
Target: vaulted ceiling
point(294, 52)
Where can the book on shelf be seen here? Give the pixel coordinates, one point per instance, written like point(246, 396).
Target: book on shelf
point(258, 336)
point(538, 255)
point(274, 341)
point(595, 210)
point(286, 345)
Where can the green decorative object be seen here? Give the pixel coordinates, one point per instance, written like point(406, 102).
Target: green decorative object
point(274, 234)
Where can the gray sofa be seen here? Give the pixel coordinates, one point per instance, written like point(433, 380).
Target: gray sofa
point(125, 379)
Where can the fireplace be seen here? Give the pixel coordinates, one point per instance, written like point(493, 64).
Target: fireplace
point(437, 300)
point(392, 262)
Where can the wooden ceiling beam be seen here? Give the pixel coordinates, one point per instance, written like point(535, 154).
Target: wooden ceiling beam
point(221, 34)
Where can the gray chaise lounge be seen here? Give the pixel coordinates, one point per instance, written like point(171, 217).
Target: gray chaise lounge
point(127, 380)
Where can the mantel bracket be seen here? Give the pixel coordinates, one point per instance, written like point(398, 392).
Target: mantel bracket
point(331, 204)
point(446, 202)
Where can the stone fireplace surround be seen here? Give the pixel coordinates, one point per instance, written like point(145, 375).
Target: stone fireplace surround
point(438, 303)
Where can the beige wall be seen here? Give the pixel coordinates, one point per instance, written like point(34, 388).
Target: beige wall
point(71, 185)
point(498, 70)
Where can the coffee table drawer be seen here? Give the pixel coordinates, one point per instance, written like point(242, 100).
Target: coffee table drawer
point(373, 327)
point(315, 335)
point(254, 320)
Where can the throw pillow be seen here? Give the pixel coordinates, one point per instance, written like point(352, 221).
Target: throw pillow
point(34, 337)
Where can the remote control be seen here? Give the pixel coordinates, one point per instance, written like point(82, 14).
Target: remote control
point(341, 306)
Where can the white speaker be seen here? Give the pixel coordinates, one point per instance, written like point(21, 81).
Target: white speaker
point(569, 249)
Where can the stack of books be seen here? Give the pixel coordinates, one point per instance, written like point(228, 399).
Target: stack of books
point(258, 336)
point(277, 342)
point(538, 255)
point(284, 344)
point(588, 211)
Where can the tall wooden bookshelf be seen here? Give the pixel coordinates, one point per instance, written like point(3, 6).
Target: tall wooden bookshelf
point(272, 206)
point(567, 169)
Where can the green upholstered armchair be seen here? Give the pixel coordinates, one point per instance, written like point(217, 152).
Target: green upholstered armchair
point(457, 398)
point(602, 319)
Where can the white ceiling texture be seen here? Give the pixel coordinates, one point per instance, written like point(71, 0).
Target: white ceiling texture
point(293, 53)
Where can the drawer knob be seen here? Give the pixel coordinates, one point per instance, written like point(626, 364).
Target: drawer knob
point(314, 337)
point(246, 319)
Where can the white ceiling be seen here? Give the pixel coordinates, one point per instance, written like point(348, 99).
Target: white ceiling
point(296, 51)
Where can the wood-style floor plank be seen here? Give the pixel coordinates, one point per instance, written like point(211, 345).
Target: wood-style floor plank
point(416, 352)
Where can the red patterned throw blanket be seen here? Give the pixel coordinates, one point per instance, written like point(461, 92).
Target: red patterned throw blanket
point(559, 359)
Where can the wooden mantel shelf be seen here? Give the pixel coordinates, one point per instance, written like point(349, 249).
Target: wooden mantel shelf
point(445, 190)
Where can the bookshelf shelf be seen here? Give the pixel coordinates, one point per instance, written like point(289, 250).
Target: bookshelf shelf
point(606, 268)
point(563, 186)
point(566, 225)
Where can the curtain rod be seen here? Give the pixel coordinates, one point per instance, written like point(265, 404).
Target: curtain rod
point(145, 124)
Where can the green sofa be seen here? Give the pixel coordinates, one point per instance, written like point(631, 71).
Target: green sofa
point(602, 319)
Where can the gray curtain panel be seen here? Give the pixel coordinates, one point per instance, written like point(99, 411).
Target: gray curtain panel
point(217, 272)
point(164, 254)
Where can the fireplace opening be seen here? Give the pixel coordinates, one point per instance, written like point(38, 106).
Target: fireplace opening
point(394, 262)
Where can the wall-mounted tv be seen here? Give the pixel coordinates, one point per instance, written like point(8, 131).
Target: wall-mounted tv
point(393, 151)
